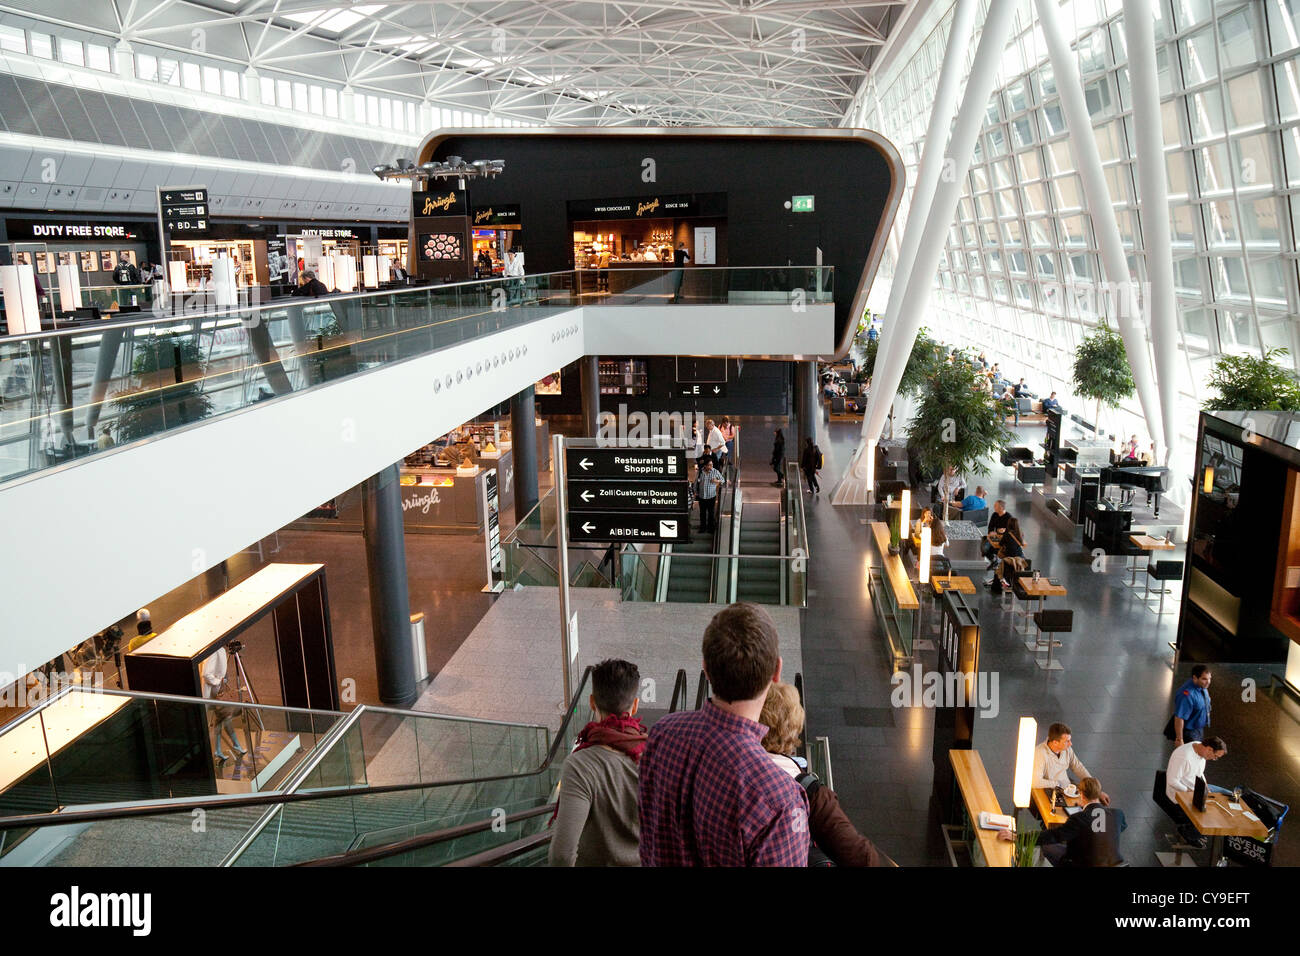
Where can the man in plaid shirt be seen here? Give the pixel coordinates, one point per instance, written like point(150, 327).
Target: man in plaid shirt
point(709, 794)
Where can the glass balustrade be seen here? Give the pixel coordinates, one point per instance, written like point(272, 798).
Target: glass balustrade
point(76, 392)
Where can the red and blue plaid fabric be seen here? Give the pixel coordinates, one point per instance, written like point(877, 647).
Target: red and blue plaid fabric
point(711, 796)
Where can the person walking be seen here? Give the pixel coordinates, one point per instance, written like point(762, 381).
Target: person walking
point(707, 482)
point(778, 458)
point(810, 461)
point(1191, 708)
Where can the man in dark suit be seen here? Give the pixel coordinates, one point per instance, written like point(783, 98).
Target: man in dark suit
point(1089, 838)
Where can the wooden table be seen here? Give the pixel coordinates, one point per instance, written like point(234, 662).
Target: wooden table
point(951, 582)
point(1147, 544)
point(1218, 821)
point(1042, 798)
point(977, 795)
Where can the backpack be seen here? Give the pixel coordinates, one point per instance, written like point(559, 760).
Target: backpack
point(817, 457)
point(122, 274)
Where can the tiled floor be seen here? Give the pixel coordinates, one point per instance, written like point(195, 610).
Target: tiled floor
point(1114, 692)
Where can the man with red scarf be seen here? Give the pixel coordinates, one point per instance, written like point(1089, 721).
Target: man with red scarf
point(597, 822)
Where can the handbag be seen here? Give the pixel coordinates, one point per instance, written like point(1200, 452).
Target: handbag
point(1169, 729)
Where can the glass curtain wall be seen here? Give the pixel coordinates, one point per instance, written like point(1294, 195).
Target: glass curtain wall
point(1021, 277)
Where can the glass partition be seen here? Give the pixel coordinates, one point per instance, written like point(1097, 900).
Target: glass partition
point(77, 392)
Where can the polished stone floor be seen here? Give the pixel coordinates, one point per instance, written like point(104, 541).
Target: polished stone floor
point(1114, 692)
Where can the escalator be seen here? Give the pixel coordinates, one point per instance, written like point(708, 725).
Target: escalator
point(692, 567)
point(761, 533)
point(493, 788)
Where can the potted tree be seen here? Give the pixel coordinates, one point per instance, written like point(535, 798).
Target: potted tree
point(955, 424)
point(1247, 383)
point(1101, 371)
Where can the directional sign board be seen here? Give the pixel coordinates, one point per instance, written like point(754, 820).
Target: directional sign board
point(646, 496)
point(662, 464)
point(667, 529)
point(702, 390)
point(184, 210)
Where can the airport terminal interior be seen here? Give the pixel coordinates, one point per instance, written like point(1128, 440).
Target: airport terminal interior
point(373, 374)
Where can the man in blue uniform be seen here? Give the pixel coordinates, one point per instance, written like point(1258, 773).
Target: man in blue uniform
point(1192, 707)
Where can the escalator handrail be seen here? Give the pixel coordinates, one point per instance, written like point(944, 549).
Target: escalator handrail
point(370, 854)
point(702, 694)
point(680, 690)
point(506, 851)
point(803, 728)
point(229, 801)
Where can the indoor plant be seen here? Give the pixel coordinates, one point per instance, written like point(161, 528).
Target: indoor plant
point(1247, 382)
point(955, 424)
point(1101, 371)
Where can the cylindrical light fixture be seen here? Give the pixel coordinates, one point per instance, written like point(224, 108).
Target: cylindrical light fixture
point(370, 271)
point(1025, 743)
point(1207, 483)
point(905, 514)
point(923, 567)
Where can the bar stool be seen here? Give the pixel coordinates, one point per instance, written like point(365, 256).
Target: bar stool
point(1054, 621)
point(1162, 571)
point(1025, 598)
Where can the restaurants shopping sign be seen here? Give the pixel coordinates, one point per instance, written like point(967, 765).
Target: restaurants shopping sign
point(183, 210)
point(627, 494)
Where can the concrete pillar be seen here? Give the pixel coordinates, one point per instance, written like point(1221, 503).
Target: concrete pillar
point(805, 403)
point(890, 352)
point(1153, 200)
point(523, 431)
point(589, 366)
point(390, 604)
point(1097, 196)
point(907, 306)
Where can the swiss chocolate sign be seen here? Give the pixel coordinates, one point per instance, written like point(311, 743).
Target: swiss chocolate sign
point(499, 216)
point(650, 207)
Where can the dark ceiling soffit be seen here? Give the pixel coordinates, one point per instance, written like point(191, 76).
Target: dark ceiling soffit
point(882, 145)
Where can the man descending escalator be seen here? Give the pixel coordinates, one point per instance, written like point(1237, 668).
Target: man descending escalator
point(707, 482)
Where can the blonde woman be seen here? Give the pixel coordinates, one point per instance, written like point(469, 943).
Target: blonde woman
point(830, 828)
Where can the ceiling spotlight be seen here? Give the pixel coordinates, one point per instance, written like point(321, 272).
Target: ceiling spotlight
point(381, 171)
point(402, 163)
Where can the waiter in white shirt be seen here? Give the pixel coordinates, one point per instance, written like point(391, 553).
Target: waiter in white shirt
point(1187, 763)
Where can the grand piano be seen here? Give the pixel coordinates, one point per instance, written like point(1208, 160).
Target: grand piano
point(1152, 479)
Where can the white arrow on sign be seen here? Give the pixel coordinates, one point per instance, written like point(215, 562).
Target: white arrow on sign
point(586, 496)
point(588, 527)
point(716, 390)
point(585, 464)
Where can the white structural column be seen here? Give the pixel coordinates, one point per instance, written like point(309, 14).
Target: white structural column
point(895, 340)
point(907, 306)
point(1153, 198)
point(1097, 196)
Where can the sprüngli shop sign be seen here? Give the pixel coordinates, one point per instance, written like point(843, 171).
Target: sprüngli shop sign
point(438, 202)
point(499, 216)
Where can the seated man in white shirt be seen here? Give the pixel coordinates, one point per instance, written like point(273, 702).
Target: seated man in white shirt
point(1055, 760)
point(1187, 763)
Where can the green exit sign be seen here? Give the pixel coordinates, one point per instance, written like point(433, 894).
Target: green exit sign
point(801, 204)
